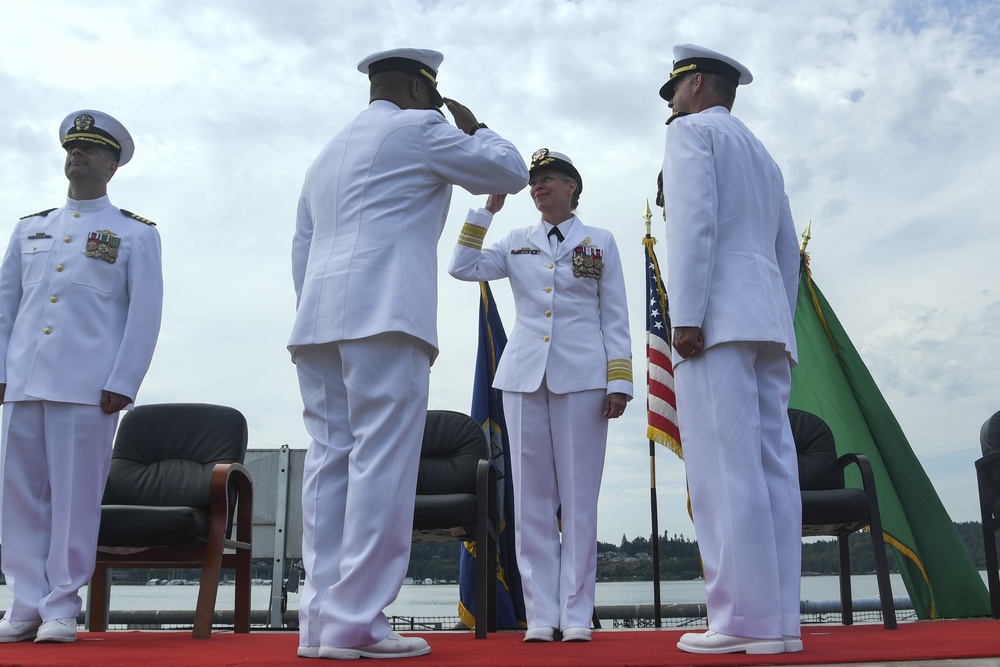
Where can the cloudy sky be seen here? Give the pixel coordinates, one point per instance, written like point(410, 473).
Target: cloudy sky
point(882, 115)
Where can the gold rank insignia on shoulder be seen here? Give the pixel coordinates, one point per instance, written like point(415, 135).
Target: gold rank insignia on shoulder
point(588, 261)
point(130, 214)
point(103, 244)
point(40, 214)
point(524, 251)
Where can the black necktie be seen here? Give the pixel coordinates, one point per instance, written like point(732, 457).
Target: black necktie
point(555, 232)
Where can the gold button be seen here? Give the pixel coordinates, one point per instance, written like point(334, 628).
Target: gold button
point(47, 330)
point(68, 239)
point(59, 267)
point(551, 265)
point(548, 289)
point(53, 298)
point(76, 214)
point(548, 313)
point(546, 339)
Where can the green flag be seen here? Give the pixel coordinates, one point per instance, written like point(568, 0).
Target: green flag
point(832, 382)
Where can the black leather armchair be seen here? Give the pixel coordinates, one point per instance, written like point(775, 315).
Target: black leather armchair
point(988, 475)
point(457, 500)
point(175, 490)
point(830, 508)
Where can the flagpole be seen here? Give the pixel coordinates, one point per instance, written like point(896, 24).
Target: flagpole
point(648, 217)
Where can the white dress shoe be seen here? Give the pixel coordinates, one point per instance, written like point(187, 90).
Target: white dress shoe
point(18, 631)
point(393, 646)
point(792, 644)
point(712, 642)
point(540, 634)
point(308, 652)
point(59, 630)
point(576, 634)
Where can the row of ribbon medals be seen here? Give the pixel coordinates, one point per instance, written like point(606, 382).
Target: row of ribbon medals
point(104, 246)
point(587, 262)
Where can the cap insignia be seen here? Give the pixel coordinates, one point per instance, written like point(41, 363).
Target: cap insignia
point(540, 157)
point(83, 122)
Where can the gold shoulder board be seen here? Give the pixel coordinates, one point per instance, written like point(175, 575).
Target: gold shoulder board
point(141, 219)
point(41, 213)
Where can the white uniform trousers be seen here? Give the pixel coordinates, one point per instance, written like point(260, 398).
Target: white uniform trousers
point(557, 444)
point(56, 461)
point(742, 472)
point(365, 405)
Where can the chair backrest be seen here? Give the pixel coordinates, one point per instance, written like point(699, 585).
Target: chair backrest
point(989, 434)
point(164, 453)
point(817, 452)
point(452, 447)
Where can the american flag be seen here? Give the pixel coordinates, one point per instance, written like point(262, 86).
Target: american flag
point(661, 402)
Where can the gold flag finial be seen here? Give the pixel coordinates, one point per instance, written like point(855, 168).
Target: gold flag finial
point(806, 235)
point(648, 217)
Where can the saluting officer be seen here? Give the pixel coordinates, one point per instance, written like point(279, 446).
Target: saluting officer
point(364, 264)
point(81, 291)
point(566, 370)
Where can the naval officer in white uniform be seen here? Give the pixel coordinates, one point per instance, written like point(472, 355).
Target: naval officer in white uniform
point(566, 370)
point(81, 290)
point(732, 276)
point(364, 262)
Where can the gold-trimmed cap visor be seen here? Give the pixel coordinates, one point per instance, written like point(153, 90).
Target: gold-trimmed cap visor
point(99, 128)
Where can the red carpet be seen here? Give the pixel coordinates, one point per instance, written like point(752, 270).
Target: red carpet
point(633, 648)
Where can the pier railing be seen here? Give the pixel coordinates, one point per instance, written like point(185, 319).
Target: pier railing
point(680, 615)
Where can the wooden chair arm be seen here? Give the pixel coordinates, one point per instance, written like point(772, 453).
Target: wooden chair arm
point(223, 476)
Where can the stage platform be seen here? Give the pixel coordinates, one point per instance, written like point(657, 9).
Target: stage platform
point(969, 643)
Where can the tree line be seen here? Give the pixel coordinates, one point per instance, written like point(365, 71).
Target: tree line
point(631, 559)
point(680, 560)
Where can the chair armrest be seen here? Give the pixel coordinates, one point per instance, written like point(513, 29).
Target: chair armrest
point(867, 474)
point(989, 460)
point(224, 477)
point(486, 487)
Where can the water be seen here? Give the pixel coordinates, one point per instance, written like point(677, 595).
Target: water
point(442, 600)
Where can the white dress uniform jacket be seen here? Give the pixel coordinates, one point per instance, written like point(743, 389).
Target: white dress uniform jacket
point(725, 272)
point(571, 331)
point(364, 254)
point(733, 271)
point(73, 325)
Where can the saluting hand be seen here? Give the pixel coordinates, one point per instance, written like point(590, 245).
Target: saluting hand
point(465, 120)
point(495, 202)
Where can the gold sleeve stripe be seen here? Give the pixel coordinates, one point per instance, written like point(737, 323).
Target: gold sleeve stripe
point(472, 236)
point(620, 369)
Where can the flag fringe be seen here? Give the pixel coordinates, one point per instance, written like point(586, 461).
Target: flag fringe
point(667, 441)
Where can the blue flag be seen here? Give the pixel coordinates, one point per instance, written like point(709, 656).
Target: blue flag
point(487, 409)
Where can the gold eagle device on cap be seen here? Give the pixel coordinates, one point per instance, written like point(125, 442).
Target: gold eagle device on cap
point(97, 127)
